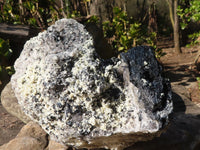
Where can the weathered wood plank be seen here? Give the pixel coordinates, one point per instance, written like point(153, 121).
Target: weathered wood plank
point(19, 30)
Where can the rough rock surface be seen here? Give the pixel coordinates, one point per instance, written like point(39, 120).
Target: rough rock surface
point(82, 100)
point(56, 146)
point(10, 103)
point(31, 137)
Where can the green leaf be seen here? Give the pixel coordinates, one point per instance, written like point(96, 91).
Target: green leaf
point(120, 48)
point(10, 70)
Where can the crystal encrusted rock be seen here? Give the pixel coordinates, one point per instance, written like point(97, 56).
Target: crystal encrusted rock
point(82, 100)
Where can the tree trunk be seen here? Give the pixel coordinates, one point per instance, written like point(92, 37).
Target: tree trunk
point(152, 25)
point(62, 8)
point(21, 11)
point(103, 9)
point(176, 29)
point(169, 2)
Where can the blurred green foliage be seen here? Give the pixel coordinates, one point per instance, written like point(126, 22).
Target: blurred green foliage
point(187, 15)
point(8, 12)
point(190, 14)
point(123, 33)
point(93, 19)
point(5, 54)
point(35, 13)
point(151, 40)
point(5, 50)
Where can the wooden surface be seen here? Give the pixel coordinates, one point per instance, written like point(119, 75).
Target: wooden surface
point(19, 30)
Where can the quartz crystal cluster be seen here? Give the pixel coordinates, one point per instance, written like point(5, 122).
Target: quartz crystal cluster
point(79, 99)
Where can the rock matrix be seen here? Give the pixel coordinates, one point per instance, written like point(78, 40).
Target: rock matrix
point(82, 100)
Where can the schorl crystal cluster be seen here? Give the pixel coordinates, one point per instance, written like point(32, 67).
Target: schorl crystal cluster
point(82, 100)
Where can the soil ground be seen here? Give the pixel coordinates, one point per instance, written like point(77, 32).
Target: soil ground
point(179, 69)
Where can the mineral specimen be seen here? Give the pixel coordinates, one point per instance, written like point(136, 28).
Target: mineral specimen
point(82, 100)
